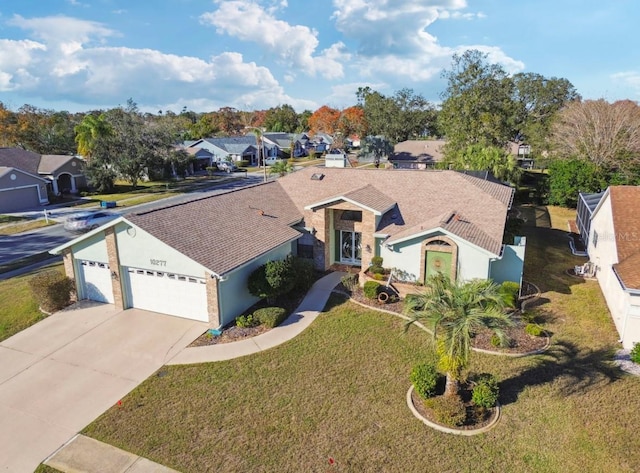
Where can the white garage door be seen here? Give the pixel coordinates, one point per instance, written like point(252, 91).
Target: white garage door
point(168, 293)
point(96, 281)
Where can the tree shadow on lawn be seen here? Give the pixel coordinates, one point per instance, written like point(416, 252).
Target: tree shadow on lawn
point(576, 371)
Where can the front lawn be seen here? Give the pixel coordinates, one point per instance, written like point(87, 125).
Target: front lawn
point(18, 308)
point(21, 227)
point(338, 391)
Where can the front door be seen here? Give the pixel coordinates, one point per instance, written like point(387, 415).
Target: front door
point(437, 262)
point(350, 247)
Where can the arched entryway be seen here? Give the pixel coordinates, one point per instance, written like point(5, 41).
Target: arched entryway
point(439, 256)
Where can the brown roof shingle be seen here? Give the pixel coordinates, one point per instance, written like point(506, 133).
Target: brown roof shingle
point(20, 159)
point(225, 231)
point(625, 202)
point(421, 196)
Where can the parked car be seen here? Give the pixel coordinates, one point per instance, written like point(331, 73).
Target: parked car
point(86, 221)
point(227, 166)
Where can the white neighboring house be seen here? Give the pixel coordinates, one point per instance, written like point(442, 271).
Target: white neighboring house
point(614, 249)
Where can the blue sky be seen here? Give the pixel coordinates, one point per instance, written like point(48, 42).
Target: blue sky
point(80, 55)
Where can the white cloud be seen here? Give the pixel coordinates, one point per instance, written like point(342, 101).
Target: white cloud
point(393, 42)
point(628, 78)
point(77, 70)
point(293, 45)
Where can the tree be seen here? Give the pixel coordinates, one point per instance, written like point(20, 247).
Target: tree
point(568, 177)
point(45, 131)
point(477, 157)
point(352, 122)
point(455, 311)
point(8, 127)
point(273, 279)
point(324, 120)
point(405, 115)
point(607, 135)
point(280, 168)
point(537, 101)
point(89, 132)
point(477, 105)
point(376, 147)
point(281, 119)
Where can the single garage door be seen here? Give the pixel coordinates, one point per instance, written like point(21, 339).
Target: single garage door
point(19, 199)
point(96, 281)
point(168, 293)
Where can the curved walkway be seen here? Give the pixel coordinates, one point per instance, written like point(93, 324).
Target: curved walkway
point(300, 319)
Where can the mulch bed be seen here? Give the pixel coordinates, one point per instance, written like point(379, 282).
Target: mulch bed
point(476, 418)
point(232, 333)
point(521, 342)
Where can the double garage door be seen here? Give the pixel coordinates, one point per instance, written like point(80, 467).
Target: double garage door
point(155, 291)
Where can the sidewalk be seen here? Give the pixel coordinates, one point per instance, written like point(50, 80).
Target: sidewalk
point(91, 456)
point(299, 320)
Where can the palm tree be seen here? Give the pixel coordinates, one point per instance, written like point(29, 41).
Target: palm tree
point(456, 311)
point(281, 168)
point(89, 131)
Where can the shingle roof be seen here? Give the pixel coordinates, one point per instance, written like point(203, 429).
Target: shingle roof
point(225, 231)
point(367, 196)
point(625, 202)
point(49, 163)
point(424, 151)
point(20, 159)
point(421, 197)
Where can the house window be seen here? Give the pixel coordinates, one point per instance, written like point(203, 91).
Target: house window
point(595, 239)
point(351, 215)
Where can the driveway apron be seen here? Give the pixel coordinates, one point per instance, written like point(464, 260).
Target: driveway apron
point(60, 374)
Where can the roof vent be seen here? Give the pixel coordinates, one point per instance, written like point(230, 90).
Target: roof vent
point(317, 176)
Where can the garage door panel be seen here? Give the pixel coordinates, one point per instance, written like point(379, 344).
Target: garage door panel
point(168, 293)
point(96, 281)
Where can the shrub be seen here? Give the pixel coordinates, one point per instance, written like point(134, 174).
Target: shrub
point(270, 316)
point(485, 392)
point(376, 270)
point(530, 317)
point(272, 279)
point(378, 276)
point(52, 290)
point(247, 321)
point(495, 340)
point(510, 291)
point(376, 261)
point(424, 378)
point(635, 353)
point(449, 410)
point(371, 289)
point(350, 281)
point(414, 301)
point(211, 169)
point(534, 330)
point(243, 164)
point(304, 273)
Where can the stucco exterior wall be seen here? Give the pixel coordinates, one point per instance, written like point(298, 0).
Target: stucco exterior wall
point(631, 333)
point(93, 248)
point(407, 256)
point(511, 265)
point(21, 192)
point(139, 249)
point(234, 296)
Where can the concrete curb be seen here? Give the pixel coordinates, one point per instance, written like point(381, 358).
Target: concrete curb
point(449, 430)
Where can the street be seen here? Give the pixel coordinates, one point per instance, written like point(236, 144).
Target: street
point(18, 246)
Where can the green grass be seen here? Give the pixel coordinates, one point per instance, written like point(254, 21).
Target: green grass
point(21, 227)
point(11, 219)
point(338, 390)
point(42, 468)
point(18, 309)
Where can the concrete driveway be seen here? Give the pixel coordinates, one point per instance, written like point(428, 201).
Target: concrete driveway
point(57, 376)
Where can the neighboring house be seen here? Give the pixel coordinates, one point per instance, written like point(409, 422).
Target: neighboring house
point(194, 259)
point(203, 158)
point(417, 154)
point(20, 190)
point(239, 148)
point(34, 175)
point(522, 153)
point(614, 249)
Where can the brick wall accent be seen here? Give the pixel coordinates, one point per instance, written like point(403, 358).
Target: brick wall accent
point(451, 248)
point(67, 261)
point(212, 300)
point(114, 267)
point(322, 219)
